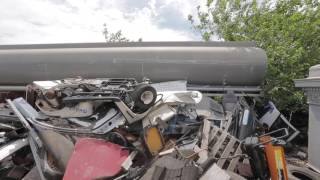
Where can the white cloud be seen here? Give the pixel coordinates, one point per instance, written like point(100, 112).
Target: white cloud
point(58, 21)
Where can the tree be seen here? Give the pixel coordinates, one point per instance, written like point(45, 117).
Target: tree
point(288, 30)
point(113, 37)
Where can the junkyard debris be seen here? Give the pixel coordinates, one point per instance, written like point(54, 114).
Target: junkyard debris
point(111, 128)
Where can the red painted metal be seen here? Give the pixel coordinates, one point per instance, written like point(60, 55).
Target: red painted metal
point(95, 158)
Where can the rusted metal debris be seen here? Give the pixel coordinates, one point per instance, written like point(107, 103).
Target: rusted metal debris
point(123, 129)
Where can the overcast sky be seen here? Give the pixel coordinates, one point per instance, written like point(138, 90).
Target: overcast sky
point(61, 21)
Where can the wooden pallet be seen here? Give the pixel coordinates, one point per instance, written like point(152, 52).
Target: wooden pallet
point(221, 145)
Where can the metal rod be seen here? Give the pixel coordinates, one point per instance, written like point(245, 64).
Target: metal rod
point(12, 88)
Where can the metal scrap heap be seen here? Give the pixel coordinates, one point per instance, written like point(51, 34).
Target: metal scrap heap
point(110, 128)
point(199, 116)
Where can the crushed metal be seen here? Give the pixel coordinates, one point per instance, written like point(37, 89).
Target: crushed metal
point(123, 129)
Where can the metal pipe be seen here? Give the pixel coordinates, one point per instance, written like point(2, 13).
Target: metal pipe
point(200, 63)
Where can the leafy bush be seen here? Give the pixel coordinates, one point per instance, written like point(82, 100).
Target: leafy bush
point(288, 30)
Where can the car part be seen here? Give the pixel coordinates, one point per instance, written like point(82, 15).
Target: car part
point(111, 102)
point(82, 109)
point(301, 173)
point(76, 97)
point(35, 119)
point(153, 139)
point(89, 160)
point(10, 148)
point(143, 97)
point(58, 146)
point(160, 114)
point(49, 167)
point(181, 97)
point(28, 113)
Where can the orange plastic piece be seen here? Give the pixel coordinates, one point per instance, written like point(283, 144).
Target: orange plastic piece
point(153, 140)
point(276, 159)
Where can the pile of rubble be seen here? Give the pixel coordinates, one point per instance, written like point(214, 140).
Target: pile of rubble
point(122, 129)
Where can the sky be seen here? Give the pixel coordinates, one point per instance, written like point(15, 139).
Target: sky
point(72, 21)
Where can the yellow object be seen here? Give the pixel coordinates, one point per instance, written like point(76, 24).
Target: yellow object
point(276, 159)
point(153, 140)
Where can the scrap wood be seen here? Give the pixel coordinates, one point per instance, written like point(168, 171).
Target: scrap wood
point(215, 173)
point(203, 155)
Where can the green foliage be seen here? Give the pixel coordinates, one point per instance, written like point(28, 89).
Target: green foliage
point(289, 31)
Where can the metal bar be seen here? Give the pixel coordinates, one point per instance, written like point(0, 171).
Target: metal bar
point(133, 44)
point(237, 94)
point(12, 147)
point(224, 88)
point(25, 123)
point(12, 88)
point(20, 116)
point(34, 150)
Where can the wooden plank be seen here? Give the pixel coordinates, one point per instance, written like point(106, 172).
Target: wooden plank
point(246, 161)
point(189, 173)
point(213, 133)
point(215, 172)
point(217, 146)
point(226, 152)
point(234, 161)
point(203, 155)
point(227, 124)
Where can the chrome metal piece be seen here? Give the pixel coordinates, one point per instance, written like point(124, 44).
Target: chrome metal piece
point(79, 122)
point(130, 116)
point(28, 112)
point(108, 123)
point(162, 112)
point(10, 148)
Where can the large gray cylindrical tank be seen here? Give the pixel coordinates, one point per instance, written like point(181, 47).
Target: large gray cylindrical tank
point(203, 63)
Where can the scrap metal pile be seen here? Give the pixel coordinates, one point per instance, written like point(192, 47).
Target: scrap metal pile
point(123, 129)
point(198, 116)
